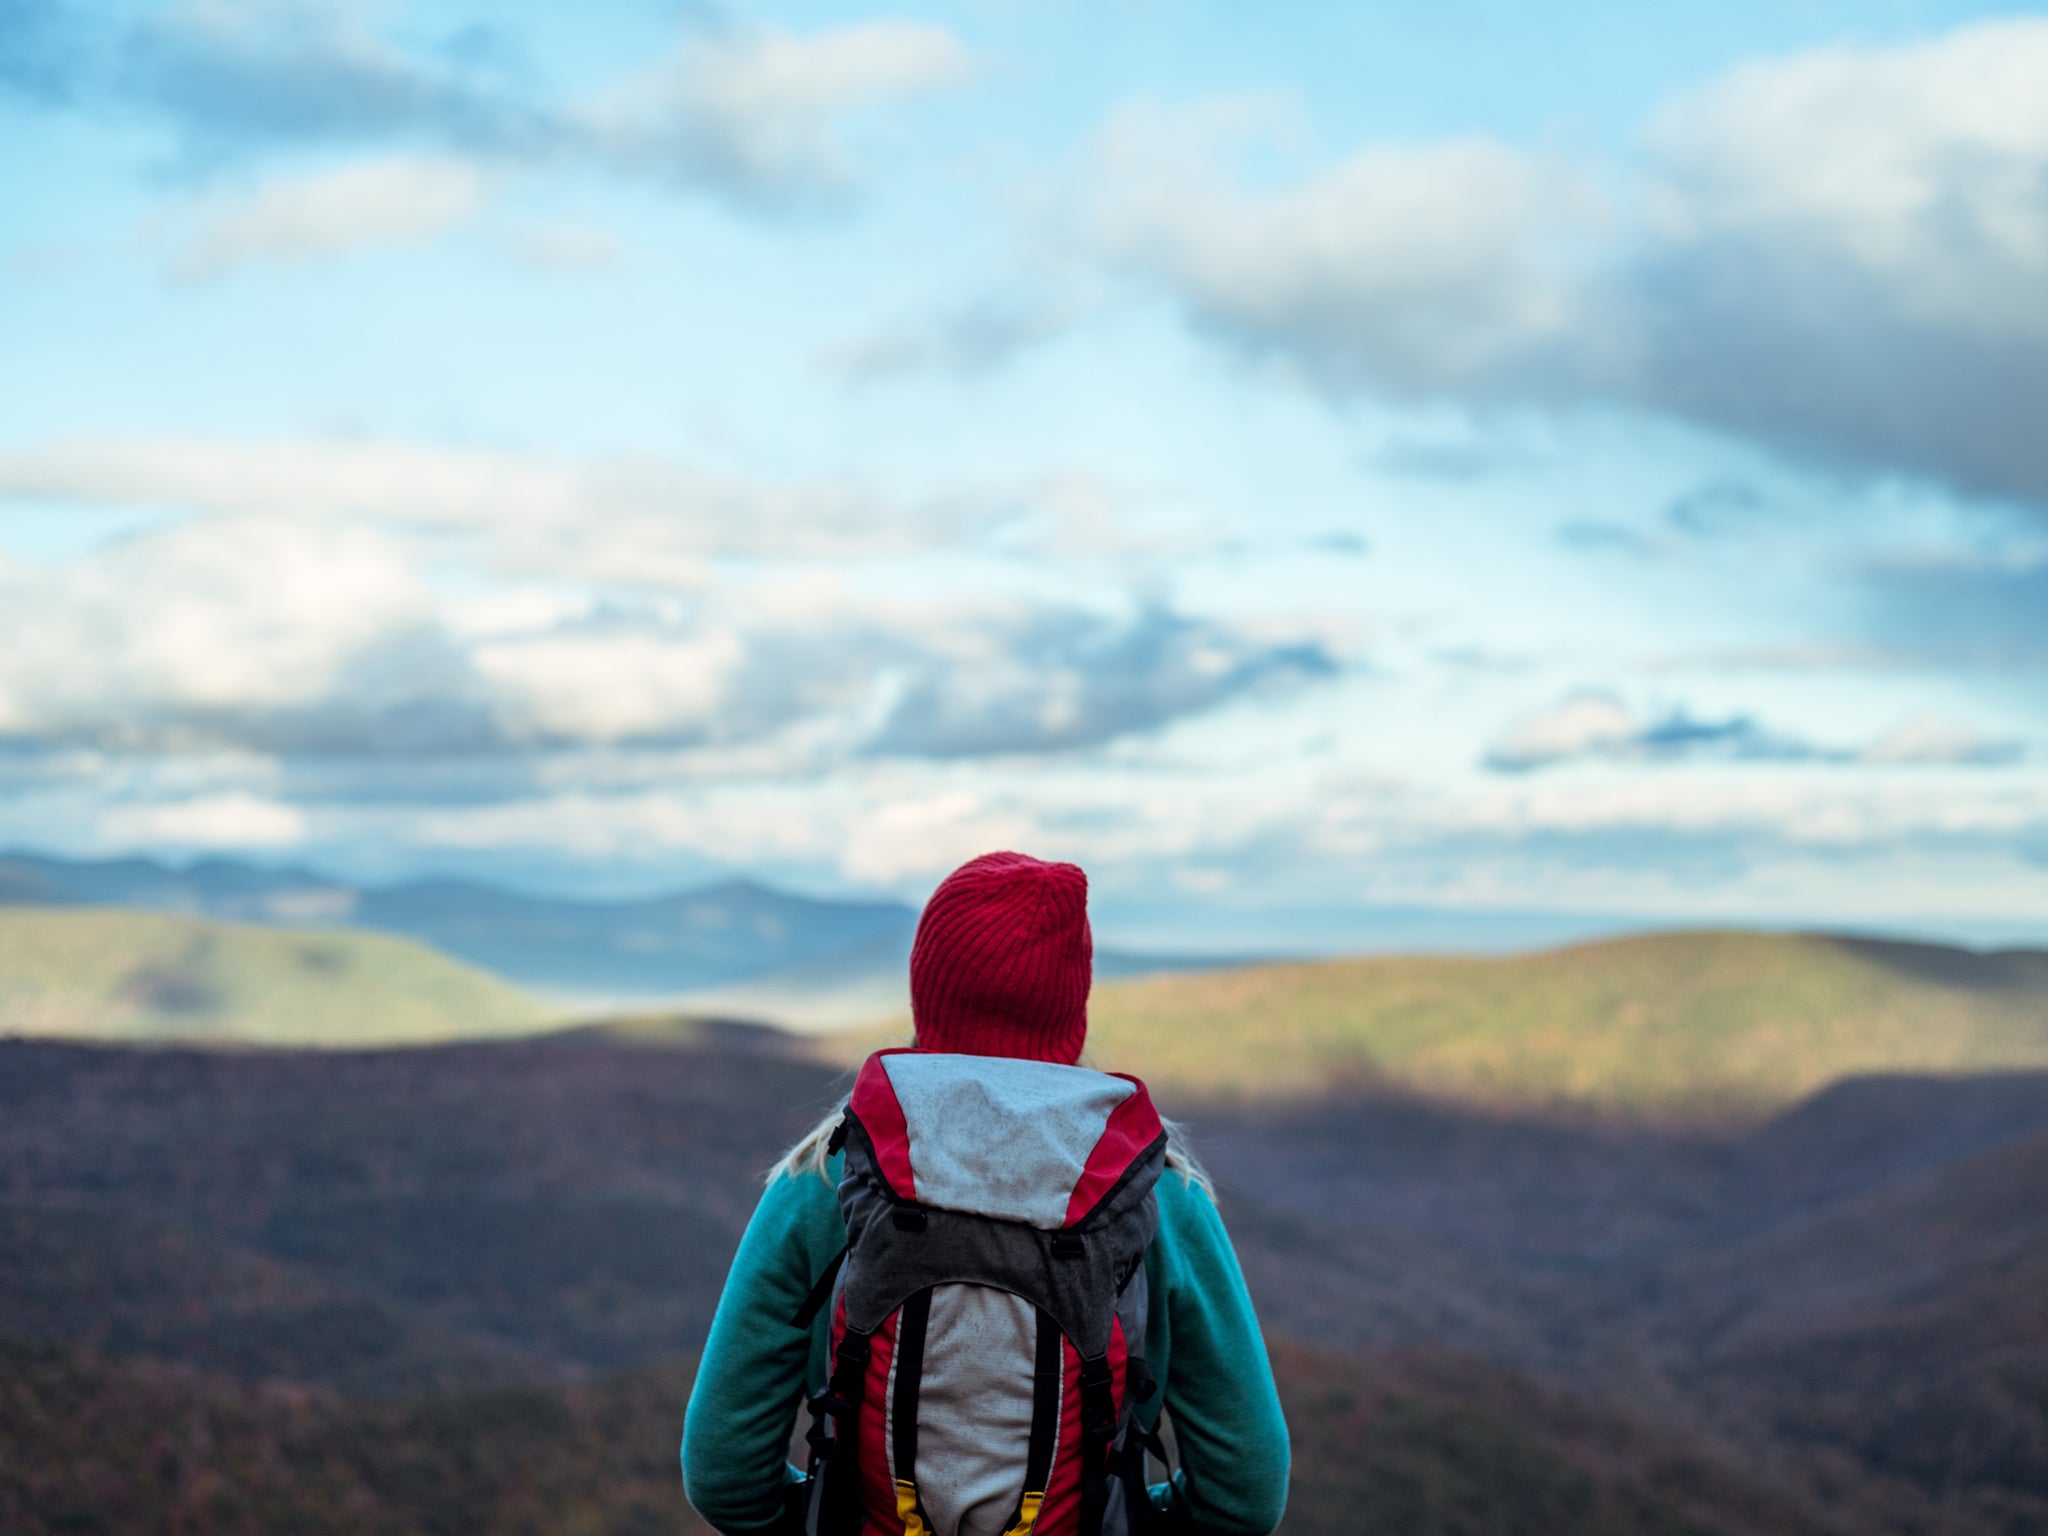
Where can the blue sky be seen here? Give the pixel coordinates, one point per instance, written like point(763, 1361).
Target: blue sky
point(1301, 463)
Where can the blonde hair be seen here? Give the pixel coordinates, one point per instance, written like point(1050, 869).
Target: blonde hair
point(813, 1150)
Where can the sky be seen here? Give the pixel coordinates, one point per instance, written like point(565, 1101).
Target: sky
point(1306, 464)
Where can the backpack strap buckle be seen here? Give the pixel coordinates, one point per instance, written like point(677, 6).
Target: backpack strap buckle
point(1027, 1513)
point(842, 1395)
point(908, 1510)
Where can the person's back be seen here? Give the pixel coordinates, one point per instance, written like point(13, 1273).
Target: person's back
point(992, 1356)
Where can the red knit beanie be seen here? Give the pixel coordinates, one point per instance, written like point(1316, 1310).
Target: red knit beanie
point(1003, 959)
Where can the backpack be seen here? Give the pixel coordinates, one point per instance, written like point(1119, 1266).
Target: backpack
point(989, 1309)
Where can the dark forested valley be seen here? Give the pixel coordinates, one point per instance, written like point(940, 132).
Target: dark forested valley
point(459, 1289)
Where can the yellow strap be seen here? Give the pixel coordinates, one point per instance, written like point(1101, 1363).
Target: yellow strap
point(907, 1510)
point(1027, 1515)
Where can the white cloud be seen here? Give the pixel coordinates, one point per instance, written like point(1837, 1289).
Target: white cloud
point(359, 600)
point(601, 688)
point(513, 610)
point(1931, 739)
point(661, 520)
point(353, 207)
point(1842, 253)
point(223, 821)
point(195, 633)
point(326, 476)
point(1584, 725)
point(757, 114)
point(902, 839)
point(651, 523)
point(1596, 726)
point(895, 825)
point(1414, 268)
point(965, 341)
point(1921, 166)
point(1818, 812)
point(760, 112)
point(333, 637)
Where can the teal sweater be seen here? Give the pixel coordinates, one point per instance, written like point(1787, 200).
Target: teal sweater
point(1202, 1343)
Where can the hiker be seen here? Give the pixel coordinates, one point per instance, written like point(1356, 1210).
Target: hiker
point(989, 1271)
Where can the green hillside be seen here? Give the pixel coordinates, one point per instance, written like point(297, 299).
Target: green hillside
point(1685, 1021)
point(117, 974)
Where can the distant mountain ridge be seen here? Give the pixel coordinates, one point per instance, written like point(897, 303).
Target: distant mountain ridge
point(737, 946)
point(646, 947)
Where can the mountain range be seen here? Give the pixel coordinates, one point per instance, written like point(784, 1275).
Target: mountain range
point(736, 947)
point(655, 946)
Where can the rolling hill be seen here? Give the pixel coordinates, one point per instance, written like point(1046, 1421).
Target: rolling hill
point(1707, 1023)
point(109, 973)
point(1691, 1023)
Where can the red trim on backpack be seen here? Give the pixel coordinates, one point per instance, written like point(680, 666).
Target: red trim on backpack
point(1061, 1513)
point(1132, 1127)
point(874, 1102)
point(877, 1492)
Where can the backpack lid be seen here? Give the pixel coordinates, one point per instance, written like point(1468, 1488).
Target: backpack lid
point(1026, 1141)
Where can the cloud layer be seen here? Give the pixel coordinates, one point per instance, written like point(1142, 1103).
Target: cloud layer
point(302, 604)
point(1598, 727)
point(1839, 253)
point(351, 207)
point(757, 115)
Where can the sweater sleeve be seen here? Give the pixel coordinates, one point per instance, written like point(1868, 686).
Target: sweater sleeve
point(1228, 1427)
point(751, 1380)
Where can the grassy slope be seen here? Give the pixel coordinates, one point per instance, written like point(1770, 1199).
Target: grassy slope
point(107, 973)
point(1689, 1021)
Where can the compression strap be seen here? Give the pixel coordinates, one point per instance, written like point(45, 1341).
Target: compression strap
point(1046, 1390)
point(911, 1325)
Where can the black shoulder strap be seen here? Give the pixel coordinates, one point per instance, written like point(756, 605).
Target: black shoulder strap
point(1098, 1439)
point(834, 1505)
point(814, 1303)
point(1047, 1391)
point(907, 1371)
